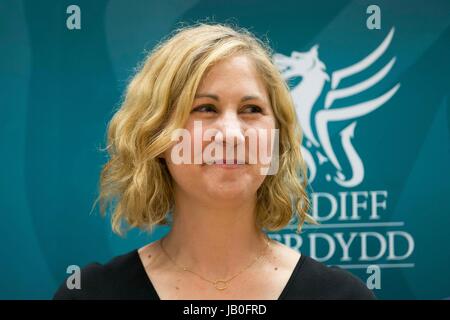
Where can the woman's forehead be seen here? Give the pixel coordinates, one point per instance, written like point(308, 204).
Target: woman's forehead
point(238, 65)
point(236, 76)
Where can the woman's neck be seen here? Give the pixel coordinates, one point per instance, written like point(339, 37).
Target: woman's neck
point(215, 240)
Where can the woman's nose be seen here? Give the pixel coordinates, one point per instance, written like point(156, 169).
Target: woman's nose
point(231, 129)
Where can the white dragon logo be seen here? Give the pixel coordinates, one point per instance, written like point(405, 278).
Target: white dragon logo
point(306, 95)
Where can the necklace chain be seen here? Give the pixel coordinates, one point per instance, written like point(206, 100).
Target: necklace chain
point(218, 284)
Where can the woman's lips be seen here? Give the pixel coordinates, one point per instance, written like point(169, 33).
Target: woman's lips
point(224, 165)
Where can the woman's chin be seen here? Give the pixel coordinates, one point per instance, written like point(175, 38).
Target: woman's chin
point(228, 191)
point(218, 185)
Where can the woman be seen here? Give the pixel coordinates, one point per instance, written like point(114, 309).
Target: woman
point(218, 82)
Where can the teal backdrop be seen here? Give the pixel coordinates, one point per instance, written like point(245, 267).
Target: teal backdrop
point(377, 144)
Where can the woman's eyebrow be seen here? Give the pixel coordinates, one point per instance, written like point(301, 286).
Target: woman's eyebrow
point(215, 97)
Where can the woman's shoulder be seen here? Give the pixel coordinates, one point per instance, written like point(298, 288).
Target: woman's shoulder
point(315, 280)
point(121, 277)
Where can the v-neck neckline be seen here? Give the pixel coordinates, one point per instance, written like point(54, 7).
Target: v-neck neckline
point(153, 293)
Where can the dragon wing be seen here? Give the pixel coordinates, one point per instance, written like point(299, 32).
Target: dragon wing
point(346, 113)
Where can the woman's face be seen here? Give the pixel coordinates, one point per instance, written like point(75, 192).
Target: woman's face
point(231, 102)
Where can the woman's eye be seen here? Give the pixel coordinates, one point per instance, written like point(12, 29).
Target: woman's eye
point(253, 109)
point(208, 108)
point(205, 108)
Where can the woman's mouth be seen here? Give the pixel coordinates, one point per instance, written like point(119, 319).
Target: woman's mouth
point(223, 164)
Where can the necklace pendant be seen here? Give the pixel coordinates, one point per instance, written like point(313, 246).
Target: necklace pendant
point(220, 285)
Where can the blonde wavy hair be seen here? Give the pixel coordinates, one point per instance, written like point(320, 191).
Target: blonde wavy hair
point(135, 183)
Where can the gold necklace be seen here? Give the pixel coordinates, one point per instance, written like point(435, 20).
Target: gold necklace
point(218, 284)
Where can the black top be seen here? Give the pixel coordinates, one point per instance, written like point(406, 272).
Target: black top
point(124, 277)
